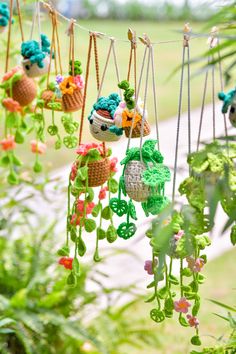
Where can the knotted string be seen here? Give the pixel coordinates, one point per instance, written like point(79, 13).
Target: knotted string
point(154, 95)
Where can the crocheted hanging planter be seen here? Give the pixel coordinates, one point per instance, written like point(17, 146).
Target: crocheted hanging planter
point(142, 181)
point(130, 117)
point(36, 56)
point(101, 119)
point(33, 70)
point(49, 97)
point(88, 206)
point(229, 100)
point(18, 86)
point(71, 88)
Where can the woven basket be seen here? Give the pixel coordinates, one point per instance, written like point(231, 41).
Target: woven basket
point(134, 186)
point(98, 172)
point(24, 91)
point(33, 70)
point(97, 121)
point(136, 132)
point(48, 97)
point(72, 103)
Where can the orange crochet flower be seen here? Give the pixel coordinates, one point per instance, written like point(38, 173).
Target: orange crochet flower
point(11, 105)
point(10, 73)
point(37, 147)
point(127, 118)
point(8, 143)
point(68, 85)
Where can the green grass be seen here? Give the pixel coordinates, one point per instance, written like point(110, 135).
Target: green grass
point(167, 58)
point(219, 285)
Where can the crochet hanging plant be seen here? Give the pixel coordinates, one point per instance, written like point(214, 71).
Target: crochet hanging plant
point(178, 237)
point(142, 181)
point(4, 16)
point(92, 168)
point(71, 88)
point(52, 99)
point(36, 56)
point(124, 114)
point(214, 165)
point(19, 92)
point(101, 118)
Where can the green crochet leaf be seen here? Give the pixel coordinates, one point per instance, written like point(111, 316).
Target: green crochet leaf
point(132, 154)
point(148, 149)
point(155, 176)
point(118, 206)
point(126, 230)
point(155, 204)
point(132, 210)
point(194, 191)
point(185, 246)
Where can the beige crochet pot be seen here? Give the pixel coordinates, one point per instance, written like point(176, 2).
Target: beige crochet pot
point(134, 186)
point(33, 70)
point(99, 127)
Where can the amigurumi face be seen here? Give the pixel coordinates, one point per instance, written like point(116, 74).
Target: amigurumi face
point(99, 128)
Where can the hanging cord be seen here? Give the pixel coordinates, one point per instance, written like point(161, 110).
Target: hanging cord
point(33, 21)
point(20, 19)
point(96, 59)
point(154, 95)
point(9, 36)
point(110, 50)
point(144, 103)
point(222, 89)
point(189, 96)
point(185, 45)
point(85, 87)
point(39, 23)
point(36, 17)
point(52, 14)
point(70, 33)
point(213, 101)
point(136, 97)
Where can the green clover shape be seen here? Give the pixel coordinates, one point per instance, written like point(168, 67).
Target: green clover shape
point(157, 315)
point(126, 230)
point(52, 129)
point(70, 141)
point(132, 210)
point(120, 207)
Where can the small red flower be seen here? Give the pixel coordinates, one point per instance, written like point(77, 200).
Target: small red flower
point(195, 265)
point(113, 163)
point(8, 143)
point(89, 207)
point(75, 220)
point(11, 105)
point(102, 194)
point(193, 321)
point(73, 171)
point(66, 262)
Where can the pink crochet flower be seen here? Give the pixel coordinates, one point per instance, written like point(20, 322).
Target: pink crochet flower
point(66, 262)
point(195, 265)
point(11, 105)
point(8, 143)
point(73, 171)
point(193, 321)
point(113, 163)
point(10, 73)
point(102, 194)
point(182, 305)
point(79, 81)
point(179, 235)
point(83, 149)
point(149, 267)
point(76, 220)
point(37, 147)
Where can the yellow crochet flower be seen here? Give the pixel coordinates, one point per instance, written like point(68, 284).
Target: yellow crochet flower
point(127, 118)
point(68, 86)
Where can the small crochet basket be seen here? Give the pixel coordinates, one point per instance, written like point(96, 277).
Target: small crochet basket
point(98, 172)
point(49, 97)
point(100, 122)
point(72, 102)
point(134, 186)
point(33, 70)
point(24, 91)
point(136, 132)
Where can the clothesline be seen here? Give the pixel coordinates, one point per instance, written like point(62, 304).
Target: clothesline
point(105, 35)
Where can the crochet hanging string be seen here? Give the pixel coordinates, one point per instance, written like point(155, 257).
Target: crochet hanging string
point(113, 51)
point(132, 56)
point(55, 46)
point(92, 42)
point(185, 47)
point(213, 42)
point(36, 17)
point(10, 28)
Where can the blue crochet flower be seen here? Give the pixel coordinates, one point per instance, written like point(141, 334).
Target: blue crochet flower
point(227, 98)
point(4, 14)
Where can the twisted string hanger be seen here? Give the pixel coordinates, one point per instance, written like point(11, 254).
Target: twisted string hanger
point(10, 28)
point(36, 18)
point(92, 43)
point(186, 38)
point(213, 42)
